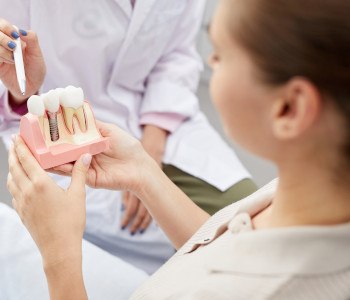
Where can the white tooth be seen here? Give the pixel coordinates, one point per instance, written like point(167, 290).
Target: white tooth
point(79, 113)
point(59, 91)
point(72, 97)
point(68, 114)
point(36, 106)
point(72, 101)
point(51, 101)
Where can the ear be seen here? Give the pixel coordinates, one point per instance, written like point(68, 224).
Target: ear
point(297, 110)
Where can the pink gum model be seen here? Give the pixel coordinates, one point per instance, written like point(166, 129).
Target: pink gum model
point(50, 155)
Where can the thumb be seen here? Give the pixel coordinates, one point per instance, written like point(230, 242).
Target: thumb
point(104, 128)
point(79, 172)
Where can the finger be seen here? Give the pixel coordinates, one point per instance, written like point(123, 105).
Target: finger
point(125, 198)
point(145, 223)
point(18, 207)
point(139, 218)
point(12, 187)
point(79, 173)
point(27, 160)
point(63, 169)
point(14, 204)
point(32, 42)
point(108, 130)
point(16, 171)
point(8, 35)
point(7, 43)
point(8, 29)
point(6, 55)
point(130, 211)
point(104, 128)
point(53, 171)
point(23, 33)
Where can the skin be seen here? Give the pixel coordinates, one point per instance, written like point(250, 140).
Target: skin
point(136, 215)
point(290, 124)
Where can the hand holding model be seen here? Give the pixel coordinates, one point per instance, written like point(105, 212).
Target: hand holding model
point(136, 215)
point(117, 168)
point(123, 166)
point(33, 60)
point(34, 182)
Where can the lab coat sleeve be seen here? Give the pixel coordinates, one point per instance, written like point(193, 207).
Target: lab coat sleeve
point(169, 97)
point(17, 12)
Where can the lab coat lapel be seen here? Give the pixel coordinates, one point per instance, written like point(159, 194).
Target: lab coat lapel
point(141, 11)
point(139, 15)
point(125, 5)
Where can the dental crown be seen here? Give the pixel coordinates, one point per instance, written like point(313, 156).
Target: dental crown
point(36, 106)
point(72, 97)
point(52, 101)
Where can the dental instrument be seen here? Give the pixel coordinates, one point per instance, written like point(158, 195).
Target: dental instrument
point(19, 65)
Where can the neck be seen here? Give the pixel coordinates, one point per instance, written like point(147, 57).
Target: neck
point(307, 196)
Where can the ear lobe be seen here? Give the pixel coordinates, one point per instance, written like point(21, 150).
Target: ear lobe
point(295, 113)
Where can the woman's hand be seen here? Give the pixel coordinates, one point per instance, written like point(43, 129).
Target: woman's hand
point(136, 214)
point(33, 61)
point(122, 167)
point(54, 217)
point(127, 166)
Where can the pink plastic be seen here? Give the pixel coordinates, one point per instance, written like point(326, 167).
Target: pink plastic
point(55, 155)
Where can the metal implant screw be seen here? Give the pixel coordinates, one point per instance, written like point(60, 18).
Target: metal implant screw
point(54, 133)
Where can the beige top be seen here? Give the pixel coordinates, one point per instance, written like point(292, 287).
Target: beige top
point(227, 259)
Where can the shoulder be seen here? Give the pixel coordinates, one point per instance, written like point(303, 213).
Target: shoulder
point(219, 221)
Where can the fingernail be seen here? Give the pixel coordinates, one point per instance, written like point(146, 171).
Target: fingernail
point(87, 159)
point(142, 231)
point(11, 45)
point(123, 227)
point(132, 233)
point(123, 207)
point(23, 32)
point(15, 34)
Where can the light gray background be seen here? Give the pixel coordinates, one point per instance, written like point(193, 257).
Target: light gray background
point(261, 170)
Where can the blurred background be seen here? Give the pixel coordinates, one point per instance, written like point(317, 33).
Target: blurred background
point(262, 171)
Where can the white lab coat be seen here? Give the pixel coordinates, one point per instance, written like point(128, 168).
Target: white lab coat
point(130, 63)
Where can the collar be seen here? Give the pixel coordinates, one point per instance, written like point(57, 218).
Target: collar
point(307, 250)
point(304, 250)
point(219, 222)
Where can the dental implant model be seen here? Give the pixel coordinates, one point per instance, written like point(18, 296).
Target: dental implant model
point(60, 127)
point(52, 105)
